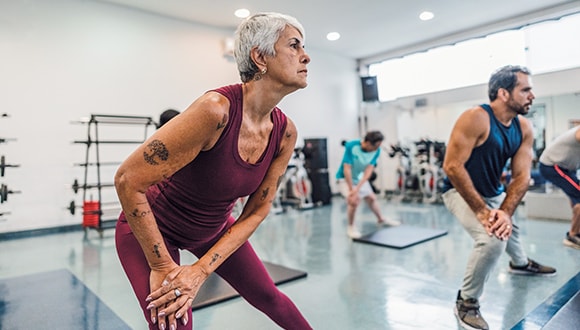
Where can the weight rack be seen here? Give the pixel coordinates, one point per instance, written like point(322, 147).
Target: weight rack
point(94, 216)
point(4, 190)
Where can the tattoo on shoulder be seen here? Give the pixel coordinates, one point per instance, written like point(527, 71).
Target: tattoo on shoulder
point(222, 124)
point(215, 257)
point(156, 150)
point(288, 135)
point(156, 250)
point(264, 194)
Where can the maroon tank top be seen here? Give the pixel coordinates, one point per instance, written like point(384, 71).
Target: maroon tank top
point(199, 198)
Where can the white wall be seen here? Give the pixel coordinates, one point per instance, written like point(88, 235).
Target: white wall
point(66, 59)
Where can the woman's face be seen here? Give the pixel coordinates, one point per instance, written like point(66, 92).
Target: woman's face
point(288, 66)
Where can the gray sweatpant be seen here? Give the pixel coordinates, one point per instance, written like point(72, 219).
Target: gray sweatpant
point(486, 249)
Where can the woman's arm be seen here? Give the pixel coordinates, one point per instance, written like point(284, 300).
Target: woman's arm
point(190, 278)
point(170, 148)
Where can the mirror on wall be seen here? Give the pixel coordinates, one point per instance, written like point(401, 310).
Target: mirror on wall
point(537, 117)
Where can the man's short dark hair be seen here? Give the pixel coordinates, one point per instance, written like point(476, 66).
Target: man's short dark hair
point(374, 137)
point(506, 78)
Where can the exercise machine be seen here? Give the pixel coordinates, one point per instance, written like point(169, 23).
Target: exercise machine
point(295, 189)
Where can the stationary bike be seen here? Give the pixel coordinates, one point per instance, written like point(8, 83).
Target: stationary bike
point(429, 159)
point(295, 190)
point(407, 182)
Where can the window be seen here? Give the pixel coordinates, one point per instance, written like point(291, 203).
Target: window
point(542, 47)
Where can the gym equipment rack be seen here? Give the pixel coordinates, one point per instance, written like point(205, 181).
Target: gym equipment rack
point(93, 212)
point(4, 190)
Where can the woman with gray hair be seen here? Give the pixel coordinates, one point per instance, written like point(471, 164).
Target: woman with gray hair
point(178, 189)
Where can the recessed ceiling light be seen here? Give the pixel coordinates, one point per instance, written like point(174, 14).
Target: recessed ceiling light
point(242, 13)
point(332, 36)
point(426, 15)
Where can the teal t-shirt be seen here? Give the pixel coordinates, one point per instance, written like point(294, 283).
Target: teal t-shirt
point(358, 160)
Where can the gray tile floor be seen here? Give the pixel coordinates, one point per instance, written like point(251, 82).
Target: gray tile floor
point(350, 285)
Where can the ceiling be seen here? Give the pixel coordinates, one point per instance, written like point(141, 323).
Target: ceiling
point(372, 29)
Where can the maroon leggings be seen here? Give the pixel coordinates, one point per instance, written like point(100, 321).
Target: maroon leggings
point(243, 270)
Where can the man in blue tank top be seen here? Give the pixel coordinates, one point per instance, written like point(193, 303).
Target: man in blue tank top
point(483, 139)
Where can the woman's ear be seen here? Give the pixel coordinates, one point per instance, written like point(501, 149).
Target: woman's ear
point(258, 58)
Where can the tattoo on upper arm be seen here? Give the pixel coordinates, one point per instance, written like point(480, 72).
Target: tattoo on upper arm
point(136, 213)
point(223, 122)
point(215, 257)
point(156, 149)
point(156, 250)
point(264, 194)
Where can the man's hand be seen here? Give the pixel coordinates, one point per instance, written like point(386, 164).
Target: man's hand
point(353, 197)
point(486, 218)
point(501, 225)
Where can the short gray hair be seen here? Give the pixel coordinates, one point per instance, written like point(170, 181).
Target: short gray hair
point(260, 30)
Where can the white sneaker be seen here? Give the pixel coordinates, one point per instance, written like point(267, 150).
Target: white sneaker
point(352, 232)
point(389, 222)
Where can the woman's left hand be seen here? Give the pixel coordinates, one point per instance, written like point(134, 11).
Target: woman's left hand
point(177, 292)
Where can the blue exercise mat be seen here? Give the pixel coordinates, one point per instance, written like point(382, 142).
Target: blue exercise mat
point(53, 300)
point(216, 290)
point(401, 237)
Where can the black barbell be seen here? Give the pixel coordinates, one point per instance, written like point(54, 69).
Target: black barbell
point(76, 185)
point(72, 208)
point(5, 140)
point(4, 191)
point(3, 165)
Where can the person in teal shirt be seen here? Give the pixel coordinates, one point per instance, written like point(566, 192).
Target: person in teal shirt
point(357, 166)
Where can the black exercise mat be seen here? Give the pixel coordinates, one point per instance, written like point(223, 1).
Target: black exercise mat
point(401, 237)
point(216, 290)
point(559, 311)
point(53, 300)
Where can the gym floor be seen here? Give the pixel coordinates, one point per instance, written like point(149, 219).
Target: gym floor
point(349, 285)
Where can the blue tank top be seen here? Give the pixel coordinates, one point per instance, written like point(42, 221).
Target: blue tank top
point(199, 198)
point(487, 161)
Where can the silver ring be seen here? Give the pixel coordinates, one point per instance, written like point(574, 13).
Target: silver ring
point(177, 293)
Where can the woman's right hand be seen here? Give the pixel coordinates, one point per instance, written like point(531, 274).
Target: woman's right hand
point(156, 278)
point(168, 305)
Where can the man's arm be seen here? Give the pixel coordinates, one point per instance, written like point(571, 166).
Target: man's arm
point(366, 175)
point(347, 170)
point(469, 132)
point(521, 168)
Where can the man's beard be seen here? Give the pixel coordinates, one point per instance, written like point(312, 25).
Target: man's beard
point(518, 108)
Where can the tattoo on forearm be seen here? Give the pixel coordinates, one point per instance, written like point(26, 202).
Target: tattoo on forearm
point(214, 258)
point(156, 250)
point(156, 150)
point(223, 123)
point(264, 194)
point(136, 213)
